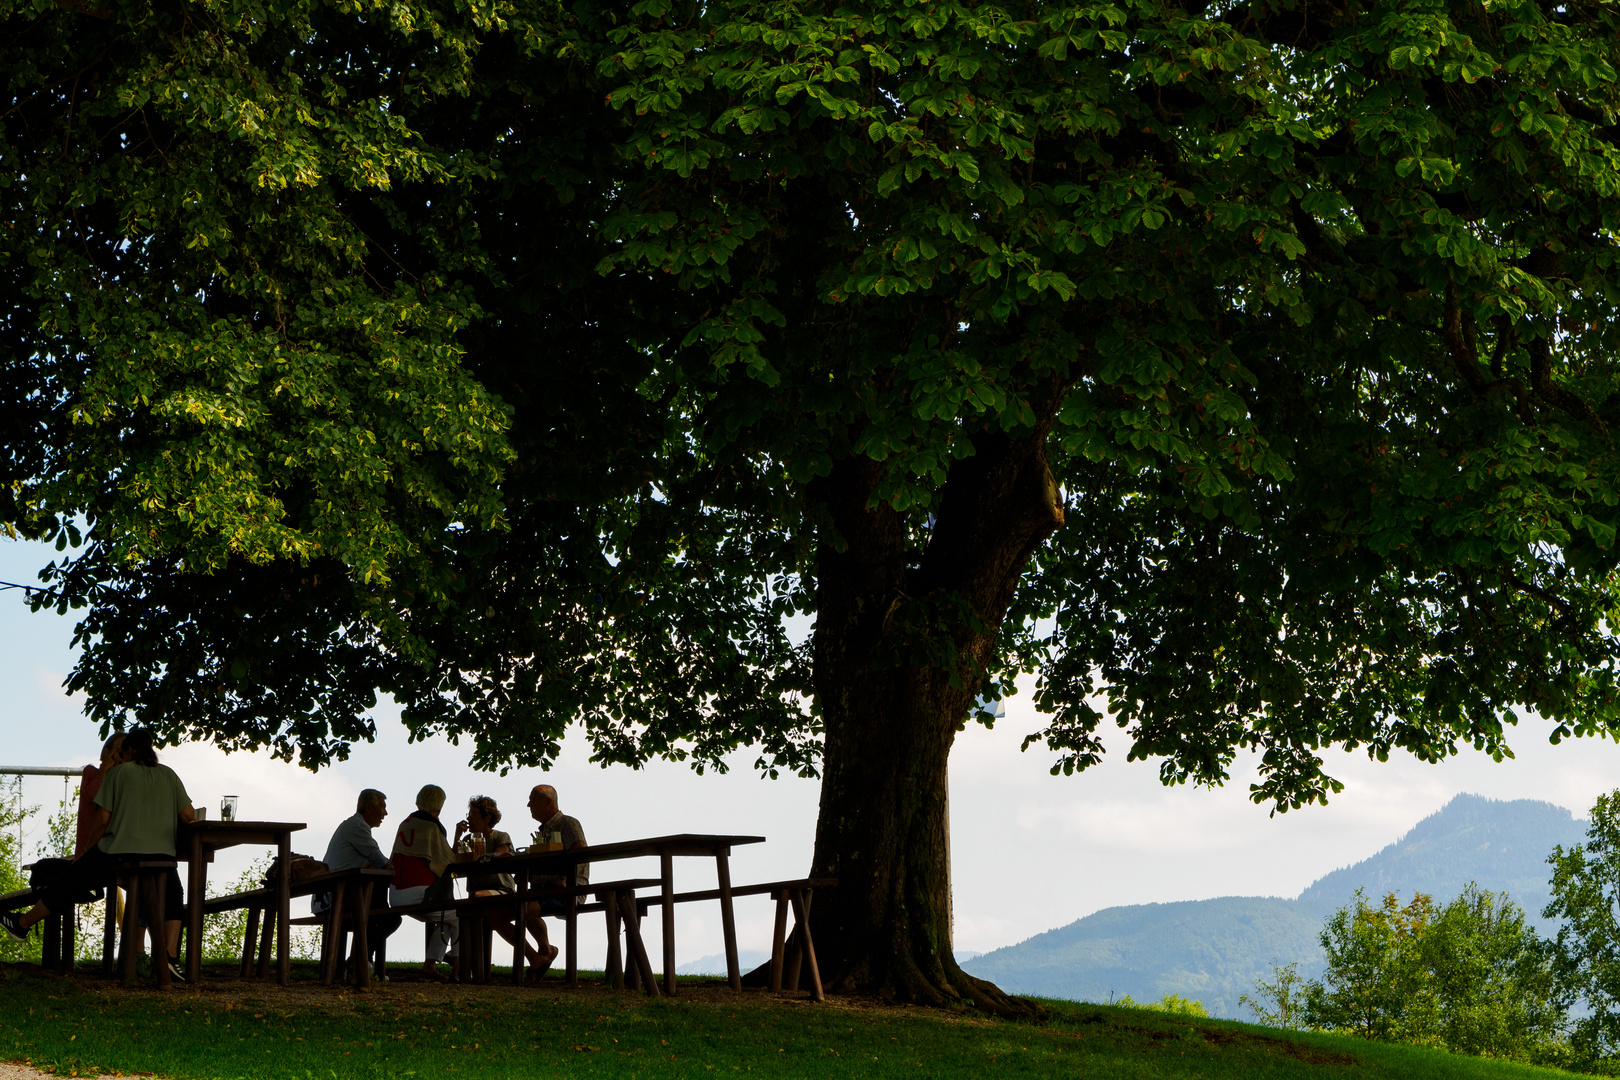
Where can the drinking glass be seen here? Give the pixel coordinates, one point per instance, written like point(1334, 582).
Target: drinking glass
point(227, 808)
point(200, 813)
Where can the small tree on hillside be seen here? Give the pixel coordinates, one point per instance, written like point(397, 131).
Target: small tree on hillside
point(1278, 1003)
point(1374, 985)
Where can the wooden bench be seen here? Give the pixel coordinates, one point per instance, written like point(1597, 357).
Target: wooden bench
point(350, 888)
point(796, 951)
point(617, 900)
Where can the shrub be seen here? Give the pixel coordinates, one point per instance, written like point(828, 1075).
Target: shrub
point(1472, 977)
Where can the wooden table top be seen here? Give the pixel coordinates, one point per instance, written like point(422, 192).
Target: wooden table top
point(224, 834)
point(677, 844)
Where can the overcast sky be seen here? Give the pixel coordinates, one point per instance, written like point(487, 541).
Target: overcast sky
point(1030, 851)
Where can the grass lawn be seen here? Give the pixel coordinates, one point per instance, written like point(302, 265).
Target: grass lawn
point(229, 1029)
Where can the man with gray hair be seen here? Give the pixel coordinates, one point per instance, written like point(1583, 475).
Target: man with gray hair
point(555, 827)
point(353, 847)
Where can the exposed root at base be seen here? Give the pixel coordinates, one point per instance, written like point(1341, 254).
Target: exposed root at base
point(904, 982)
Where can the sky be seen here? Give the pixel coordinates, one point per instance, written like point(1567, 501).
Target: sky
point(1029, 851)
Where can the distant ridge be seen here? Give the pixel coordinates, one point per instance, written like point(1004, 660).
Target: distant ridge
point(1213, 950)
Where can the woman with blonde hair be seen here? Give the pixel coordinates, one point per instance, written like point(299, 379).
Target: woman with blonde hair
point(421, 856)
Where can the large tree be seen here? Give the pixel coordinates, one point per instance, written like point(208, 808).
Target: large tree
point(1248, 364)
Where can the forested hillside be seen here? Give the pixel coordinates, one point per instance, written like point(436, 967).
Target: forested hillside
point(1212, 950)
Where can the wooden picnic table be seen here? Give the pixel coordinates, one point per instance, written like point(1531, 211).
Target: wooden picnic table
point(197, 842)
point(529, 864)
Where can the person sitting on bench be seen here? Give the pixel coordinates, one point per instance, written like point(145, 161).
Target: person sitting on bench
point(554, 825)
point(140, 805)
point(482, 817)
point(421, 856)
point(353, 847)
point(90, 781)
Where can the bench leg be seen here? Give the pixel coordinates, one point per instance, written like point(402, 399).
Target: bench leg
point(51, 948)
point(267, 934)
point(778, 941)
point(332, 937)
point(109, 929)
point(250, 938)
point(70, 943)
point(156, 914)
point(129, 944)
point(807, 946)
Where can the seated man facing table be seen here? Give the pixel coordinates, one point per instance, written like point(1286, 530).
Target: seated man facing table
point(352, 848)
point(556, 827)
point(139, 807)
point(422, 854)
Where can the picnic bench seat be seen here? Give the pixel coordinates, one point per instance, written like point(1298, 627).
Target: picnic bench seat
point(795, 951)
point(261, 907)
point(616, 900)
point(146, 879)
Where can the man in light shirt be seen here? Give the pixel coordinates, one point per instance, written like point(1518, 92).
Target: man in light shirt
point(553, 822)
point(353, 846)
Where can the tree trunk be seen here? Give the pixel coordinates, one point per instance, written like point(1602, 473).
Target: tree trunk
point(899, 646)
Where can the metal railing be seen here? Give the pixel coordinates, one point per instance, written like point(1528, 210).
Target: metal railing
point(39, 770)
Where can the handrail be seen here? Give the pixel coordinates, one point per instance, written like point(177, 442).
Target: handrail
point(39, 770)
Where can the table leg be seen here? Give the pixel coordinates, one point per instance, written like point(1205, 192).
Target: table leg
point(362, 934)
point(666, 874)
point(615, 962)
point(571, 929)
point(283, 909)
point(638, 949)
point(520, 933)
point(728, 920)
point(779, 940)
point(197, 885)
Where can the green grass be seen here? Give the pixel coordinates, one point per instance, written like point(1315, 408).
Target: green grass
point(229, 1030)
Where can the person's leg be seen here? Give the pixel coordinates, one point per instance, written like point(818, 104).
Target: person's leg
point(174, 913)
point(91, 870)
point(33, 915)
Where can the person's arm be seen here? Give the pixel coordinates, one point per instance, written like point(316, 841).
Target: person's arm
point(366, 845)
point(98, 829)
point(187, 814)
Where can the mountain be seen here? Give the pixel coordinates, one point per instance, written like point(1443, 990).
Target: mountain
point(747, 960)
point(1213, 950)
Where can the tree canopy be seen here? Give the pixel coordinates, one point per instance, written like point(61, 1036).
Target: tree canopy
point(1249, 364)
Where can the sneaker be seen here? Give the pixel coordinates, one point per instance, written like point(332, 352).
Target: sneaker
point(11, 923)
point(176, 972)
